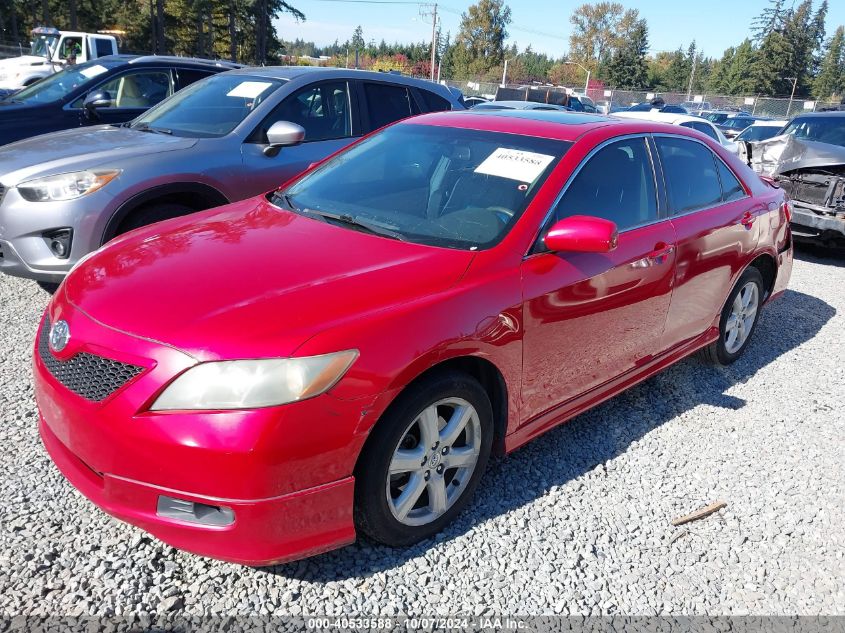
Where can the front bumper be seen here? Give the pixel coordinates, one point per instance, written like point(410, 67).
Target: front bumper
point(808, 225)
point(25, 252)
point(265, 531)
point(285, 472)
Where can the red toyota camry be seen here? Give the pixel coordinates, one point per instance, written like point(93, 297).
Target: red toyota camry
point(264, 381)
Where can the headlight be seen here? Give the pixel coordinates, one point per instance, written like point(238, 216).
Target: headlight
point(66, 186)
point(249, 384)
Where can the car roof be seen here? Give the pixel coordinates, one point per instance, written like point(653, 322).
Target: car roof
point(325, 72)
point(520, 105)
point(553, 124)
point(769, 123)
point(165, 59)
point(673, 118)
point(833, 113)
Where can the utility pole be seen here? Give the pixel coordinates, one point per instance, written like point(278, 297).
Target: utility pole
point(692, 75)
point(791, 96)
point(425, 13)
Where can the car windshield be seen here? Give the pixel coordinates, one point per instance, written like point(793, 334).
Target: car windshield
point(209, 108)
point(824, 129)
point(44, 45)
point(738, 123)
point(758, 133)
point(58, 86)
point(717, 117)
point(433, 185)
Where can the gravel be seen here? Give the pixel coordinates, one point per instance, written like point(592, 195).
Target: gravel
point(577, 522)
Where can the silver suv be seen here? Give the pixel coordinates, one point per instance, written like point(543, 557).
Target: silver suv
point(222, 139)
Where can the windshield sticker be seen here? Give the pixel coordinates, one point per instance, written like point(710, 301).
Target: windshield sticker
point(249, 89)
point(93, 71)
point(514, 164)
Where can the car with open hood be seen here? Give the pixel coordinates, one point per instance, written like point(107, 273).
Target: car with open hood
point(266, 380)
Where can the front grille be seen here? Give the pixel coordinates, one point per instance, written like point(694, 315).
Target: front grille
point(93, 377)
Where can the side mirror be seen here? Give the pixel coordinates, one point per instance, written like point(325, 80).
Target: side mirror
point(582, 234)
point(283, 134)
point(94, 100)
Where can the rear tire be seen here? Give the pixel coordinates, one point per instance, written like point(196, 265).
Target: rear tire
point(739, 319)
point(408, 489)
point(151, 213)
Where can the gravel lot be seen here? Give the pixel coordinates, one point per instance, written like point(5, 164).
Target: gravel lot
point(576, 522)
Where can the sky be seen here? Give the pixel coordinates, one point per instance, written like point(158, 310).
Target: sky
point(544, 24)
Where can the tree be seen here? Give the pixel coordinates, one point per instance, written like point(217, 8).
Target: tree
point(831, 78)
point(479, 46)
point(627, 67)
point(771, 19)
point(357, 41)
point(598, 30)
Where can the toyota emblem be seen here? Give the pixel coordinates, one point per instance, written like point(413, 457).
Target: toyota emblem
point(59, 335)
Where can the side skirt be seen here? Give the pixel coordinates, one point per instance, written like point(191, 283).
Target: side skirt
point(575, 406)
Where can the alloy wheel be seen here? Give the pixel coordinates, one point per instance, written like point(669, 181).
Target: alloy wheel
point(741, 319)
point(434, 461)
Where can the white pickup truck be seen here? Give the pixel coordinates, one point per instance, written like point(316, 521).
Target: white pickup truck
point(51, 50)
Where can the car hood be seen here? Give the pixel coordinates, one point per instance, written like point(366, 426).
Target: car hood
point(21, 61)
point(75, 149)
point(250, 280)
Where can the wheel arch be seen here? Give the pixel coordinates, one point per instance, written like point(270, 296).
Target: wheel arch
point(481, 369)
point(198, 196)
point(767, 265)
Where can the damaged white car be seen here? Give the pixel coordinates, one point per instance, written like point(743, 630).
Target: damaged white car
point(808, 161)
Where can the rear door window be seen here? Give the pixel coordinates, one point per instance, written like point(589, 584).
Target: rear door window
point(187, 76)
point(433, 102)
point(616, 184)
point(102, 47)
point(689, 169)
point(388, 103)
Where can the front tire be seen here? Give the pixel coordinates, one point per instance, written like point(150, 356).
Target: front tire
point(739, 319)
point(424, 459)
point(152, 213)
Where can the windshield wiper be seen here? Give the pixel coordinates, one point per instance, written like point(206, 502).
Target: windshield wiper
point(369, 226)
point(156, 130)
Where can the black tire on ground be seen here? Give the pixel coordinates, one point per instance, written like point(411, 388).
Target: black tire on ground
point(373, 516)
point(717, 352)
point(152, 213)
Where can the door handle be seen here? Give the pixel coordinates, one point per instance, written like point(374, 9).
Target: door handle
point(661, 252)
point(747, 219)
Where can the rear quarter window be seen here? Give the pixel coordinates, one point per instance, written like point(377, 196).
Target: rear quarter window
point(433, 102)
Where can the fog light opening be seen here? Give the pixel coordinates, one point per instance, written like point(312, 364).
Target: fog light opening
point(194, 512)
point(59, 242)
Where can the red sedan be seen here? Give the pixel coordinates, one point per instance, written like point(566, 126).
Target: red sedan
point(263, 381)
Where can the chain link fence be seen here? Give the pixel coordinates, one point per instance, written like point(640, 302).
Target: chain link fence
point(772, 107)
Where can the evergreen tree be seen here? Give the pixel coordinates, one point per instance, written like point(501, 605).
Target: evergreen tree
point(831, 78)
point(627, 67)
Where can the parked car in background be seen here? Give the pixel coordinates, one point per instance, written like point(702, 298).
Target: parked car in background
point(719, 117)
point(609, 107)
point(517, 105)
point(684, 120)
point(807, 159)
point(761, 130)
point(696, 107)
point(221, 139)
point(581, 103)
point(471, 102)
point(51, 51)
point(112, 90)
point(733, 125)
point(667, 108)
point(454, 285)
